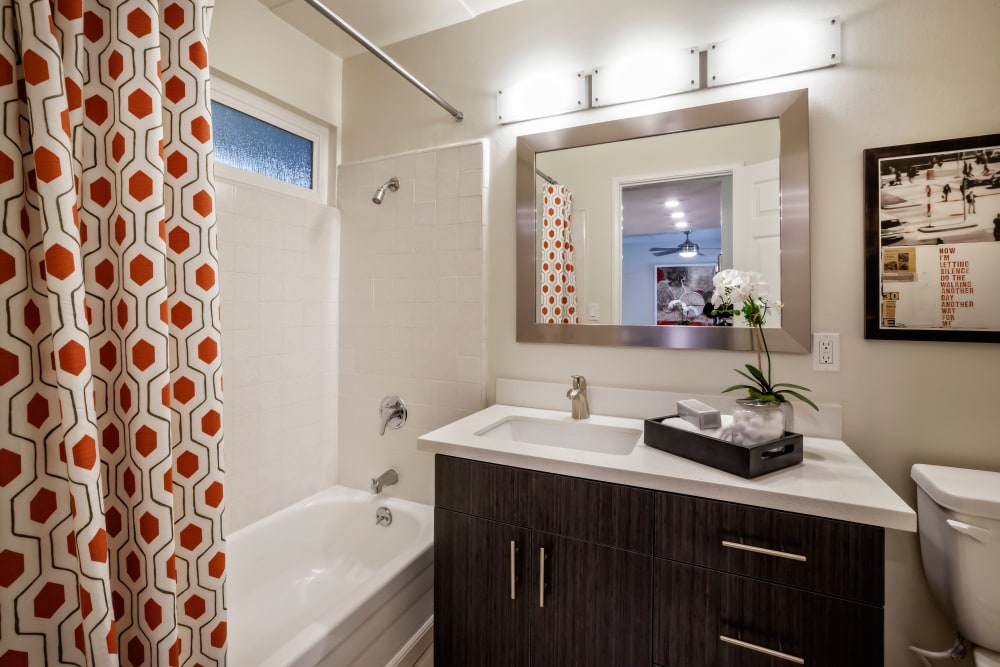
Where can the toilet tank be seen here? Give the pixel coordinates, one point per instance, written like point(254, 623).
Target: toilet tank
point(958, 514)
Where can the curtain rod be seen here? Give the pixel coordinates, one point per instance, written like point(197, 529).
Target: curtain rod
point(545, 177)
point(381, 55)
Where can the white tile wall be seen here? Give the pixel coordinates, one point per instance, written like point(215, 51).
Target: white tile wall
point(280, 264)
point(411, 308)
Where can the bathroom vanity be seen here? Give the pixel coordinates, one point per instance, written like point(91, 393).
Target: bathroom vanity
point(550, 555)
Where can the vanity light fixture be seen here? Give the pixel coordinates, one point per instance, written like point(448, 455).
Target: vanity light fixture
point(677, 214)
point(541, 96)
point(671, 203)
point(681, 225)
point(782, 48)
point(644, 76)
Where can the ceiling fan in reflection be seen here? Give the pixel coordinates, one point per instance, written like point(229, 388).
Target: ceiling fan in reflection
point(686, 249)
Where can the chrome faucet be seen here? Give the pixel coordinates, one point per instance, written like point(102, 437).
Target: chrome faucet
point(578, 396)
point(392, 412)
point(388, 478)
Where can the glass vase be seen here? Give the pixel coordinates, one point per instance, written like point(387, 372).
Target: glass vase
point(756, 421)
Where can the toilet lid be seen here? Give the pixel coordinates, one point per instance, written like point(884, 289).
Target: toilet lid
point(983, 658)
point(972, 492)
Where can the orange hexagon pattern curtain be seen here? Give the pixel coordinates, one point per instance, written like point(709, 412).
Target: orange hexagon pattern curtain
point(111, 546)
point(557, 282)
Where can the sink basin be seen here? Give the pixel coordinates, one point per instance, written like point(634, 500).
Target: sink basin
point(578, 435)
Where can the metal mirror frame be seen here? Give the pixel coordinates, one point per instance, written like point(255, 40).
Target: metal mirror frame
point(792, 111)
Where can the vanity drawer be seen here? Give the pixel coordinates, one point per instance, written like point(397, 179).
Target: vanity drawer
point(599, 512)
point(823, 555)
point(706, 618)
point(482, 489)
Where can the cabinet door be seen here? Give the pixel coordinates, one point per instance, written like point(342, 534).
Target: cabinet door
point(591, 605)
point(706, 618)
point(476, 621)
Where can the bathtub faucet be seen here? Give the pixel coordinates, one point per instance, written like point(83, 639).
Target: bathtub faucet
point(388, 478)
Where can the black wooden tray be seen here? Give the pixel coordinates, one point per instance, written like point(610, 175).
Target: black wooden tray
point(744, 460)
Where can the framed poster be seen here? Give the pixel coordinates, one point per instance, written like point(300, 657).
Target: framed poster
point(932, 240)
point(682, 292)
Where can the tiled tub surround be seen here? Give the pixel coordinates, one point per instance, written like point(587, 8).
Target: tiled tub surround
point(300, 595)
point(280, 259)
point(412, 315)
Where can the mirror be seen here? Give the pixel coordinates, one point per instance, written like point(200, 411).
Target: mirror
point(739, 170)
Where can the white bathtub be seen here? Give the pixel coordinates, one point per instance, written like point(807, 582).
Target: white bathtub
point(319, 584)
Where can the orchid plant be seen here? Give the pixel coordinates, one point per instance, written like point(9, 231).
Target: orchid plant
point(746, 293)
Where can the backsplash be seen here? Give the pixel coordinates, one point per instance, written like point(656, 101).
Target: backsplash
point(280, 261)
point(412, 307)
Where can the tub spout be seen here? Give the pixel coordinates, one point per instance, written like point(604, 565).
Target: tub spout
point(388, 478)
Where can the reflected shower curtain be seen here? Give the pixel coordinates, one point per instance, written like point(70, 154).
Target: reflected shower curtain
point(557, 282)
point(111, 546)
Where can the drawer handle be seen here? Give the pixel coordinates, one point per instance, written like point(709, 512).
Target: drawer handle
point(541, 577)
point(760, 649)
point(513, 570)
point(762, 550)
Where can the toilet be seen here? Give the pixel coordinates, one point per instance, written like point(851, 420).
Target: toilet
point(958, 514)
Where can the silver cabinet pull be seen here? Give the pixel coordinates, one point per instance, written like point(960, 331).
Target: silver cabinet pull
point(760, 649)
point(513, 571)
point(762, 550)
point(541, 577)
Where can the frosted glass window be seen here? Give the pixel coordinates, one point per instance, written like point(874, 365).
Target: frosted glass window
point(248, 143)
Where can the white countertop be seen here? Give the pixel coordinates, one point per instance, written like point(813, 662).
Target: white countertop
point(832, 480)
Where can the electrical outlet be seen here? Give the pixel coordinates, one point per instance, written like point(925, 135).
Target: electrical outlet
point(826, 352)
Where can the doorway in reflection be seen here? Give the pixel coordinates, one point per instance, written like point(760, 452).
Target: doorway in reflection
point(674, 234)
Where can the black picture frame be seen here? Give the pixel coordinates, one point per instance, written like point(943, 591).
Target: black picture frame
point(921, 213)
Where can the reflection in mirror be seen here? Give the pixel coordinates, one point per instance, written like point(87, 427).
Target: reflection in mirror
point(671, 246)
point(629, 220)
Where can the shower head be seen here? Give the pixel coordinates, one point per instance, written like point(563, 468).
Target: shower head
point(391, 184)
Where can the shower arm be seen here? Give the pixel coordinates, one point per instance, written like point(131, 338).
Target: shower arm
point(384, 57)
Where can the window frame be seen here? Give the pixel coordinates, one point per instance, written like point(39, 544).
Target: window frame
point(254, 105)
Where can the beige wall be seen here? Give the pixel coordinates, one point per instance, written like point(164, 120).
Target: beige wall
point(253, 46)
point(913, 70)
point(411, 314)
point(279, 259)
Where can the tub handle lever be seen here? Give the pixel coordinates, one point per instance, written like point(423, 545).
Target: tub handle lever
point(392, 413)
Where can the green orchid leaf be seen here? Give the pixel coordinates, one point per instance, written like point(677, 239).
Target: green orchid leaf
point(756, 382)
point(754, 371)
point(801, 398)
point(738, 386)
point(789, 384)
point(765, 386)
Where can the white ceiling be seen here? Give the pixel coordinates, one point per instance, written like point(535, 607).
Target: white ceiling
point(383, 22)
point(646, 220)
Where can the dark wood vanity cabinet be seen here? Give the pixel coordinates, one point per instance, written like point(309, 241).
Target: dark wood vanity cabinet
point(537, 569)
point(742, 586)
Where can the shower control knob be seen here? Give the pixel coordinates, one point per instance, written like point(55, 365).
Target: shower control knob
point(392, 412)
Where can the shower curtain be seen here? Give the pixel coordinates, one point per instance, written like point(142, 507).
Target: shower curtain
point(111, 546)
point(557, 283)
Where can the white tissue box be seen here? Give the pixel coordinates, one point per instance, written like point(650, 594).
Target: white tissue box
point(701, 415)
